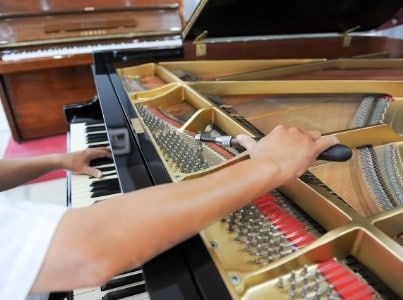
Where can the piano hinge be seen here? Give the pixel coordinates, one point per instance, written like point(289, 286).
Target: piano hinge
point(199, 41)
point(347, 38)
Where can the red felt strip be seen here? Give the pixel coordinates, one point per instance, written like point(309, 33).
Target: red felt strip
point(292, 228)
point(344, 282)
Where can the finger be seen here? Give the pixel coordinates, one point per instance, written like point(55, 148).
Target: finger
point(326, 142)
point(93, 172)
point(100, 153)
point(245, 141)
point(315, 134)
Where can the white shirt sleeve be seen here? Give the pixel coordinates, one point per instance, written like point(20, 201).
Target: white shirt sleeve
point(26, 230)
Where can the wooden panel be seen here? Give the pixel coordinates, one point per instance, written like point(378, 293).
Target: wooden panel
point(299, 48)
point(35, 99)
point(89, 26)
point(45, 63)
point(12, 7)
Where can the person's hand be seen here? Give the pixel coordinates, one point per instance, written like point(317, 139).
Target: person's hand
point(292, 149)
point(79, 162)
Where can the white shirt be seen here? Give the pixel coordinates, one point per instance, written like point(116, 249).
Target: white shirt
point(26, 230)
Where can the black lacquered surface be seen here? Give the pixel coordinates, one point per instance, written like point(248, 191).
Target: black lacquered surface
point(235, 18)
point(185, 271)
point(129, 163)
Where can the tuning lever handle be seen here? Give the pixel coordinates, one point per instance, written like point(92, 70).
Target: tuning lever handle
point(338, 152)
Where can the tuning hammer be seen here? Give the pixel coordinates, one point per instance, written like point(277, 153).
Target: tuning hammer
point(338, 152)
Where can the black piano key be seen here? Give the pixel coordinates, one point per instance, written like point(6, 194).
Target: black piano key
point(96, 134)
point(104, 187)
point(101, 137)
point(106, 144)
point(101, 161)
point(104, 182)
point(105, 192)
point(94, 138)
point(121, 281)
point(107, 168)
point(126, 292)
point(95, 128)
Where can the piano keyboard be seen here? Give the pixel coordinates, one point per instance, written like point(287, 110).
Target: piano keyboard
point(85, 191)
point(129, 285)
point(83, 49)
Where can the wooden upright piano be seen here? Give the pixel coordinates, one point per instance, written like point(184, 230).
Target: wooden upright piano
point(335, 232)
point(46, 52)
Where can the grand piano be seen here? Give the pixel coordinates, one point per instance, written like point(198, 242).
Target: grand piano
point(334, 233)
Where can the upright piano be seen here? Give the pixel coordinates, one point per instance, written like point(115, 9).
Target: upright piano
point(333, 233)
point(46, 52)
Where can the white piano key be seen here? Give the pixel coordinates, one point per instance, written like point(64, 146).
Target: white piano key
point(81, 190)
point(63, 51)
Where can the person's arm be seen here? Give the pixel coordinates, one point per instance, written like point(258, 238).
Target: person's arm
point(16, 171)
point(93, 244)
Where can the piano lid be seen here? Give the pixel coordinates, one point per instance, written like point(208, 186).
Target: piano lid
point(237, 18)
